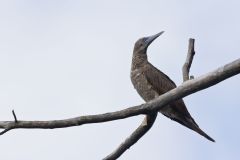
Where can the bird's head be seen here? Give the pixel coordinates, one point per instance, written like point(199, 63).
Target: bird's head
point(142, 44)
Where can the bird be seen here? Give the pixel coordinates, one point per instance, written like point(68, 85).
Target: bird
point(150, 83)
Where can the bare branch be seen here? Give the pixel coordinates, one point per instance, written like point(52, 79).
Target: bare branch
point(144, 127)
point(77, 121)
point(5, 130)
point(185, 89)
point(181, 91)
point(134, 137)
point(187, 65)
point(15, 117)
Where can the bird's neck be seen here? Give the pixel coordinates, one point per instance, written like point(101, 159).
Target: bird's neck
point(139, 60)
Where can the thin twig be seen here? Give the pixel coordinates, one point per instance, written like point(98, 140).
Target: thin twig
point(15, 117)
point(189, 59)
point(5, 130)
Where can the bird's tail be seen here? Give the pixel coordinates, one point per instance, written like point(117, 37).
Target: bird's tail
point(193, 125)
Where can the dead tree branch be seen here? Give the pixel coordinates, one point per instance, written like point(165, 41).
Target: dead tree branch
point(183, 90)
point(189, 59)
point(145, 126)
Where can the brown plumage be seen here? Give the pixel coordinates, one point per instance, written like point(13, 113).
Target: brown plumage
point(151, 83)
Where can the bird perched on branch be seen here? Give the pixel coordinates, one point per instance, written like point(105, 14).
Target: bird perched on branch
point(150, 83)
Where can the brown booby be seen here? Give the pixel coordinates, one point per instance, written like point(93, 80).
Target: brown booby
point(151, 83)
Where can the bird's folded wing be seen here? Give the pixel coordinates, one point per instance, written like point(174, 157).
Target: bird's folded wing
point(161, 83)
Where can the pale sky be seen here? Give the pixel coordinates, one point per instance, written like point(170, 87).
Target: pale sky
point(61, 59)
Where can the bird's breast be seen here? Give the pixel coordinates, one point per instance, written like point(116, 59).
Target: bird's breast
point(143, 87)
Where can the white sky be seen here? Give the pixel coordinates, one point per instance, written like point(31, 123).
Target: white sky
point(61, 59)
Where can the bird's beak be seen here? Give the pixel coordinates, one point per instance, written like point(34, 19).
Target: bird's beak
point(150, 39)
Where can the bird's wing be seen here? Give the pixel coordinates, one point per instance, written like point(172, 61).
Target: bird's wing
point(161, 83)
